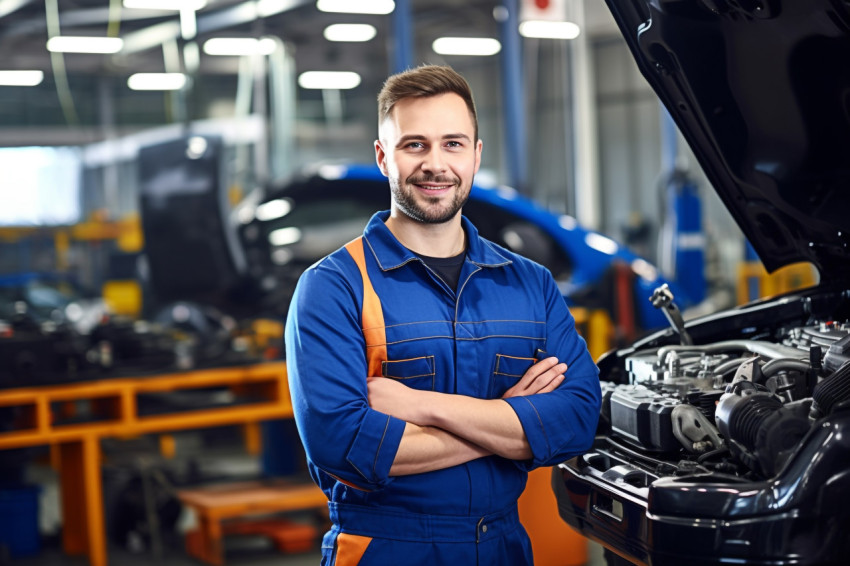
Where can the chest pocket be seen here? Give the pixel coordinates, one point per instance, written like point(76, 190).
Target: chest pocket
point(417, 373)
point(507, 371)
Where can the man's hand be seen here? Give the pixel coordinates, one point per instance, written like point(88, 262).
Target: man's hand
point(543, 377)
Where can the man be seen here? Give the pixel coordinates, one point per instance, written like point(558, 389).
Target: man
point(411, 357)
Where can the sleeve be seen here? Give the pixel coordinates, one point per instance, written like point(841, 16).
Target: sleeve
point(561, 424)
point(326, 367)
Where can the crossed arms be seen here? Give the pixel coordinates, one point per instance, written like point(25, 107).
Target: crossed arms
point(444, 429)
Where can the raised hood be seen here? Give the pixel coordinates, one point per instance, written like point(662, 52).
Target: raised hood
point(761, 91)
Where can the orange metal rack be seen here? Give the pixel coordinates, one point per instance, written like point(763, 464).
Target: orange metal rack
point(112, 411)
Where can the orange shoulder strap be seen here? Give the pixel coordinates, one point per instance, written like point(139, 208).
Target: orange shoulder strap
point(372, 315)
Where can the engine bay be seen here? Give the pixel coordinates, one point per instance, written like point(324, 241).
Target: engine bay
point(736, 407)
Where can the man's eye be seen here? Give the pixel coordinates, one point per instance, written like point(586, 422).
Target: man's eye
point(415, 145)
point(454, 144)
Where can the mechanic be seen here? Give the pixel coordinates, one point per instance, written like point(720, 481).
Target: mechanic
point(413, 354)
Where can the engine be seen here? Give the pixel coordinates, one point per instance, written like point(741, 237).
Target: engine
point(737, 407)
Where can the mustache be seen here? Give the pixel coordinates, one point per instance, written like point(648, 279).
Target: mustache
point(414, 180)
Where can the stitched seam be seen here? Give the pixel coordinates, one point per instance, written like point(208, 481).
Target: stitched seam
point(500, 357)
point(539, 420)
point(485, 321)
point(503, 336)
point(467, 339)
point(403, 377)
point(381, 443)
point(409, 359)
point(451, 322)
point(353, 465)
point(409, 340)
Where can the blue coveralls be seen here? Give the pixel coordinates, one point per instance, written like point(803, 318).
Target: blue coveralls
point(478, 342)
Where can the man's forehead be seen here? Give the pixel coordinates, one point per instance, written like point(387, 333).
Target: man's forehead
point(429, 114)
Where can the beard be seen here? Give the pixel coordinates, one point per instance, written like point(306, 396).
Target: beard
point(425, 209)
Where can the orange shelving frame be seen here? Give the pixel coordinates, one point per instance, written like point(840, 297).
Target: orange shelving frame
point(113, 412)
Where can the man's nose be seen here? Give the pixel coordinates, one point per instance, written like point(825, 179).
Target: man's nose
point(434, 161)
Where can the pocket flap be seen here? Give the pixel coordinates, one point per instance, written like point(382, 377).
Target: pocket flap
point(512, 366)
point(408, 369)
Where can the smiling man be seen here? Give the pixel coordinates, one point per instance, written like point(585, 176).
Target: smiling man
point(417, 359)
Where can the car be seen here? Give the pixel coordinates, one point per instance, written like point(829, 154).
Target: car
point(726, 441)
point(330, 204)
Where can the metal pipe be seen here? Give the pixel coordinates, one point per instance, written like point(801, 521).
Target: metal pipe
point(514, 102)
point(402, 36)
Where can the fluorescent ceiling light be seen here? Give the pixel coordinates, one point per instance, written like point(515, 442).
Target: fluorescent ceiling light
point(478, 46)
point(239, 46)
point(157, 81)
point(173, 5)
point(339, 80)
point(356, 6)
point(350, 32)
point(549, 30)
point(70, 44)
point(21, 78)
point(267, 8)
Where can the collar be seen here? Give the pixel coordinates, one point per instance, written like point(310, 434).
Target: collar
point(390, 253)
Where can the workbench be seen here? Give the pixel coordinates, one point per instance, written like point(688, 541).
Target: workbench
point(46, 417)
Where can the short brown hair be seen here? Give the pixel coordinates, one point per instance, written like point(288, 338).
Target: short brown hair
point(425, 81)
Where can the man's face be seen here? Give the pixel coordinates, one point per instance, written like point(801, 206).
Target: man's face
point(427, 151)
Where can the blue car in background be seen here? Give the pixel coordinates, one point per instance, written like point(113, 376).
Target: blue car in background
point(313, 215)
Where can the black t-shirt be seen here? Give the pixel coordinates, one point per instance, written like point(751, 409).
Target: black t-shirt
point(448, 268)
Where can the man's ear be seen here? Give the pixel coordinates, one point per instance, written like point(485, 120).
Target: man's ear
point(381, 157)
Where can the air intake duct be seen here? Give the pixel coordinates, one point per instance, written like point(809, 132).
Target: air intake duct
point(830, 392)
point(759, 430)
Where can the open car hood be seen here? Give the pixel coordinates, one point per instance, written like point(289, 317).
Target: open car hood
point(761, 91)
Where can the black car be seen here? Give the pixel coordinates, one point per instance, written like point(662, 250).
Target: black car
point(727, 441)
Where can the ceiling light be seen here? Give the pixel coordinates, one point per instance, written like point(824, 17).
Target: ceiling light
point(549, 30)
point(21, 78)
point(338, 80)
point(157, 81)
point(70, 44)
point(239, 46)
point(356, 6)
point(266, 8)
point(173, 5)
point(477, 46)
point(350, 32)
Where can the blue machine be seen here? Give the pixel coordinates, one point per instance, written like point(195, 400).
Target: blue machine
point(685, 251)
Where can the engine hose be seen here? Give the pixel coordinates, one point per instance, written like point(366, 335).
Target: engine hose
point(831, 391)
point(784, 364)
point(760, 347)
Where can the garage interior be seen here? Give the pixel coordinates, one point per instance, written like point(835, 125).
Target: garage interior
point(144, 410)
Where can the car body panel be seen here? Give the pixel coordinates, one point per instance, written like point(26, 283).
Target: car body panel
point(759, 90)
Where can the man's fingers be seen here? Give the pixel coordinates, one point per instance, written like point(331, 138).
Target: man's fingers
point(542, 377)
point(552, 385)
